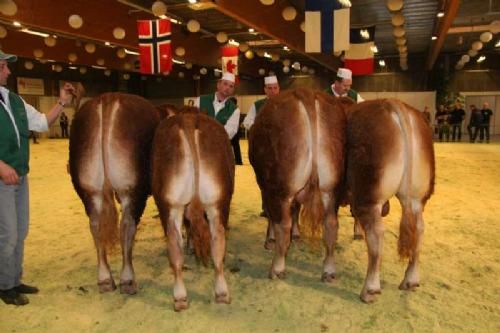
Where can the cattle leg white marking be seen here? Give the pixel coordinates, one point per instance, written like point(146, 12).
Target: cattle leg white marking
point(282, 232)
point(175, 255)
point(218, 248)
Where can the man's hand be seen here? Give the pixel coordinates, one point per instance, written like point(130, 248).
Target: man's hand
point(8, 174)
point(67, 92)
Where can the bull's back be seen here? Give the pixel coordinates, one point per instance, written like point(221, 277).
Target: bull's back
point(111, 140)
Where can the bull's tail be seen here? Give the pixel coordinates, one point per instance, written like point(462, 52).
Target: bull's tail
point(313, 211)
point(199, 225)
point(407, 242)
point(108, 215)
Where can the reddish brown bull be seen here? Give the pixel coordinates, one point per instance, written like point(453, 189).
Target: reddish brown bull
point(389, 152)
point(193, 177)
point(296, 148)
point(110, 145)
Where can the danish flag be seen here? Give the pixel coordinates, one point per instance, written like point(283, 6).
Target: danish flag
point(155, 54)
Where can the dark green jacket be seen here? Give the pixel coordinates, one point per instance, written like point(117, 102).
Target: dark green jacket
point(10, 152)
point(351, 93)
point(259, 104)
point(207, 105)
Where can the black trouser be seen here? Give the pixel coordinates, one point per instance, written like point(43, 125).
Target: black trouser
point(64, 131)
point(456, 129)
point(472, 135)
point(484, 130)
point(235, 142)
point(444, 129)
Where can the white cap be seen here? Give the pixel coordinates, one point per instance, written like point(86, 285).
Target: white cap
point(344, 73)
point(228, 77)
point(270, 79)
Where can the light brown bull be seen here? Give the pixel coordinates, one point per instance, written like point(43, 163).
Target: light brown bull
point(109, 154)
point(296, 148)
point(193, 177)
point(389, 152)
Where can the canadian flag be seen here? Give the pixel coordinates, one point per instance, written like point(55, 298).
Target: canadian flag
point(230, 59)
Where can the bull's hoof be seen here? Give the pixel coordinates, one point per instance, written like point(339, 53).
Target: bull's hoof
point(277, 275)
point(222, 299)
point(269, 244)
point(358, 237)
point(369, 296)
point(328, 277)
point(180, 304)
point(128, 287)
point(409, 286)
point(106, 285)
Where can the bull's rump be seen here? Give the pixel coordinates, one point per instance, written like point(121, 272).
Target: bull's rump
point(282, 143)
point(378, 143)
point(111, 138)
point(174, 161)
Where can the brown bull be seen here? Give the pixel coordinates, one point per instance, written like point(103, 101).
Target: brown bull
point(389, 152)
point(193, 177)
point(296, 148)
point(109, 154)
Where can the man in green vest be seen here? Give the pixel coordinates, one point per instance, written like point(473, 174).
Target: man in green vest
point(271, 88)
point(219, 106)
point(16, 120)
point(342, 86)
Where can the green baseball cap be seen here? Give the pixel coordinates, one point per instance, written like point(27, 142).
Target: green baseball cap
point(7, 57)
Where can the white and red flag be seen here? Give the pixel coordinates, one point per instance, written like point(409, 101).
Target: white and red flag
point(155, 54)
point(230, 59)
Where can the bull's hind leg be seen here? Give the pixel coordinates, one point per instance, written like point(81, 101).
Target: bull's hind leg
point(371, 221)
point(132, 209)
point(174, 218)
point(218, 249)
point(331, 226)
point(282, 232)
point(104, 278)
point(411, 279)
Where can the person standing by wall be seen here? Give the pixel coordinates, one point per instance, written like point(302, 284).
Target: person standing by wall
point(476, 119)
point(63, 122)
point(17, 118)
point(442, 123)
point(456, 118)
point(484, 128)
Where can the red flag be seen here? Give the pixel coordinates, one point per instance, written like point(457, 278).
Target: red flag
point(154, 46)
point(230, 59)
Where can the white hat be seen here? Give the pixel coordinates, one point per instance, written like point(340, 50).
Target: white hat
point(228, 77)
point(344, 73)
point(270, 79)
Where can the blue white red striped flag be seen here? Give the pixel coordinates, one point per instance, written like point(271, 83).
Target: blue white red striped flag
point(155, 53)
point(326, 26)
point(359, 57)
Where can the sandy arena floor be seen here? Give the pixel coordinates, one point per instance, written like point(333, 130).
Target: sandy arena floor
point(460, 264)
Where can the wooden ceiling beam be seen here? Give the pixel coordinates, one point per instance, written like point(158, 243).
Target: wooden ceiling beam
point(268, 20)
point(446, 22)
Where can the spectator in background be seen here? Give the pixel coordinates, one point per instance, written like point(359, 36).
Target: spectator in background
point(64, 122)
point(476, 118)
point(484, 128)
point(456, 118)
point(442, 123)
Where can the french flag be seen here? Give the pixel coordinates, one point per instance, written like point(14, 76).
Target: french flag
point(326, 26)
point(359, 57)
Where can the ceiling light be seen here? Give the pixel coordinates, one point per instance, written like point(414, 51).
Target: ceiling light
point(107, 43)
point(440, 14)
point(180, 62)
point(434, 37)
point(286, 48)
point(381, 63)
point(267, 55)
point(192, 1)
point(364, 34)
point(481, 59)
point(127, 51)
point(498, 43)
point(36, 33)
point(251, 30)
point(233, 42)
point(374, 48)
point(17, 24)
